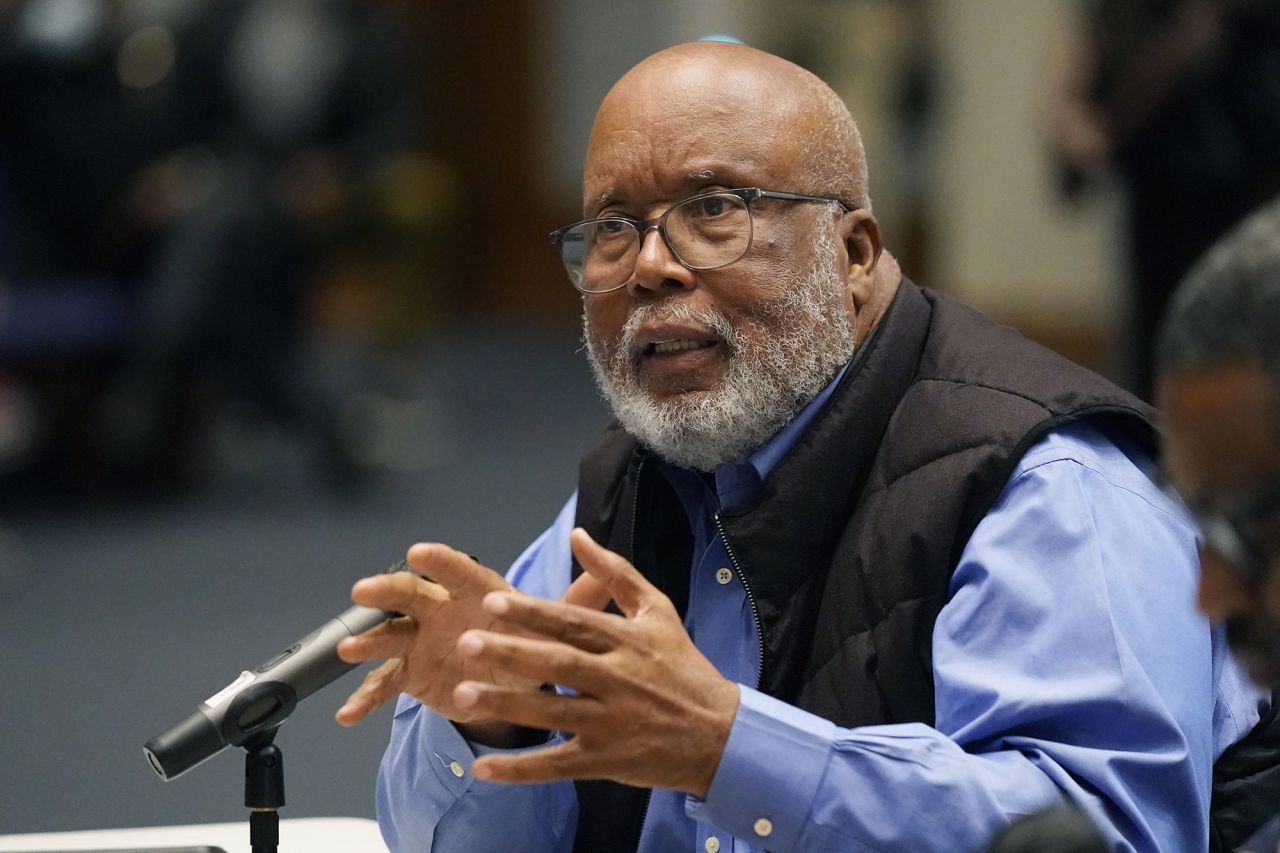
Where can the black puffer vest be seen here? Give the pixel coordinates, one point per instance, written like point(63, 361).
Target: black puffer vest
point(848, 549)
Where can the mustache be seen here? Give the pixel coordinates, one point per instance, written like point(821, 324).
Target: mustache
point(677, 312)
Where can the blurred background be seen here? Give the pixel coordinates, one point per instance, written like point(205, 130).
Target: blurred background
point(276, 300)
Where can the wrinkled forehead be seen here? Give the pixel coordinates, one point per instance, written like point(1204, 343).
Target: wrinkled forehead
point(686, 125)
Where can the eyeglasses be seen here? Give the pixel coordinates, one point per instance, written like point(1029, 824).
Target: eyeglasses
point(1233, 534)
point(705, 232)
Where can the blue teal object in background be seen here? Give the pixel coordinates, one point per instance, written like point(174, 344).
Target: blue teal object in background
point(722, 37)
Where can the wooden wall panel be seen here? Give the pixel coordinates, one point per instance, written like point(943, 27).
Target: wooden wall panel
point(478, 65)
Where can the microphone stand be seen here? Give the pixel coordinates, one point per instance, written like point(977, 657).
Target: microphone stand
point(263, 790)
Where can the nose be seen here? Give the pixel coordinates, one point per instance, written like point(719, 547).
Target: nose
point(657, 268)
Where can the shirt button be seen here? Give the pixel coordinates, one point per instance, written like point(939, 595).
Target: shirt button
point(712, 844)
point(763, 827)
point(455, 767)
point(723, 576)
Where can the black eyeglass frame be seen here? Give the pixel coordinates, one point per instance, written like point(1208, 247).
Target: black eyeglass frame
point(644, 226)
point(1227, 532)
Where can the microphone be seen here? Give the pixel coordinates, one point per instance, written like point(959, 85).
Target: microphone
point(260, 699)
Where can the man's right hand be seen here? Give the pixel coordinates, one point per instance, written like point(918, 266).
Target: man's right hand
point(419, 646)
point(439, 603)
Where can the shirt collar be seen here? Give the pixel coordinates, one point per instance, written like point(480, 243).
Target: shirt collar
point(738, 481)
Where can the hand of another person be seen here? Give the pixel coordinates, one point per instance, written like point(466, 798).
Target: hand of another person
point(650, 710)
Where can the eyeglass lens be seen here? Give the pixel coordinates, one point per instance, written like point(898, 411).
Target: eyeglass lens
point(703, 232)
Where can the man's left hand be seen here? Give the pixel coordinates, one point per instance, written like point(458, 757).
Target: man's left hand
point(650, 710)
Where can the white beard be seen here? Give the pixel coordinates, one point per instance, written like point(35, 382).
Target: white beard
point(799, 343)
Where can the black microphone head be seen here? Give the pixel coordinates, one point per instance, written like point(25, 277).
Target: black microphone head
point(183, 746)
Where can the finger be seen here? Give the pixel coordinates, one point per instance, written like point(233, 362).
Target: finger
point(453, 570)
point(540, 661)
point(587, 591)
point(586, 629)
point(537, 709)
point(568, 760)
point(401, 592)
point(627, 586)
point(386, 640)
point(379, 686)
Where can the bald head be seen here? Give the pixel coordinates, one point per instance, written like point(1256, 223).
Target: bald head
point(716, 100)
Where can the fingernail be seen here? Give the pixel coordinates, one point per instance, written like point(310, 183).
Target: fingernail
point(464, 695)
point(480, 770)
point(497, 603)
point(470, 644)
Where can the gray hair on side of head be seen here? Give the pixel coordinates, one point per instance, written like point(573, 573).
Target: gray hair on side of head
point(836, 155)
point(1227, 308)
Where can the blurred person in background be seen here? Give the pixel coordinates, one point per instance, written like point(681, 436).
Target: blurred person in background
point(1218, 384)
point(1181, 99)
point(200, 157)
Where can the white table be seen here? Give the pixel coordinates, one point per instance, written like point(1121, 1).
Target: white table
point(297, 835)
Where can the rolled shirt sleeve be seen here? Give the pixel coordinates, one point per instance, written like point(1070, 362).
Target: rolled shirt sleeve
point(428, 799)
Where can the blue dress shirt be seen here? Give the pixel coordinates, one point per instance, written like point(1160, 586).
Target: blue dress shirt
point(1069, 662)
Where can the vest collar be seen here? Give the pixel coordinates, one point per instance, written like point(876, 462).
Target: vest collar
point(828, 465)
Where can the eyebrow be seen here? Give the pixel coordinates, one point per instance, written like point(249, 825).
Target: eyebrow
point(610, 194)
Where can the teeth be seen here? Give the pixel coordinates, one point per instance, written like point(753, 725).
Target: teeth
point(677, 346)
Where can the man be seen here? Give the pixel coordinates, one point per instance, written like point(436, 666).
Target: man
point(1219, 360)
point(1219, 385)
point(886, 575)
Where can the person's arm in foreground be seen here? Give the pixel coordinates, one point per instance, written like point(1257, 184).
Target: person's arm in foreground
point(1069, 662)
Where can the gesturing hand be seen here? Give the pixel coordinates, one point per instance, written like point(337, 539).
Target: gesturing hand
point(438, 604)
point(650, 709)
point(420, 644)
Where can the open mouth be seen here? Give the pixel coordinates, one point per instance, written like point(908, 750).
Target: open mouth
point(674, 346)
point(670, 358)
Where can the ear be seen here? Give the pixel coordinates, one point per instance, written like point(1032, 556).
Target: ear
point(863, 246)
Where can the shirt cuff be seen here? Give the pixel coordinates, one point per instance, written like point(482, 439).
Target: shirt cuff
point(428, 798)
point(769, 773)
point(451, 755)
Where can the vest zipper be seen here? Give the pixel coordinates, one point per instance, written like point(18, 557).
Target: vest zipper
point(742, 578)
point(635, 512)
point(751, 598)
